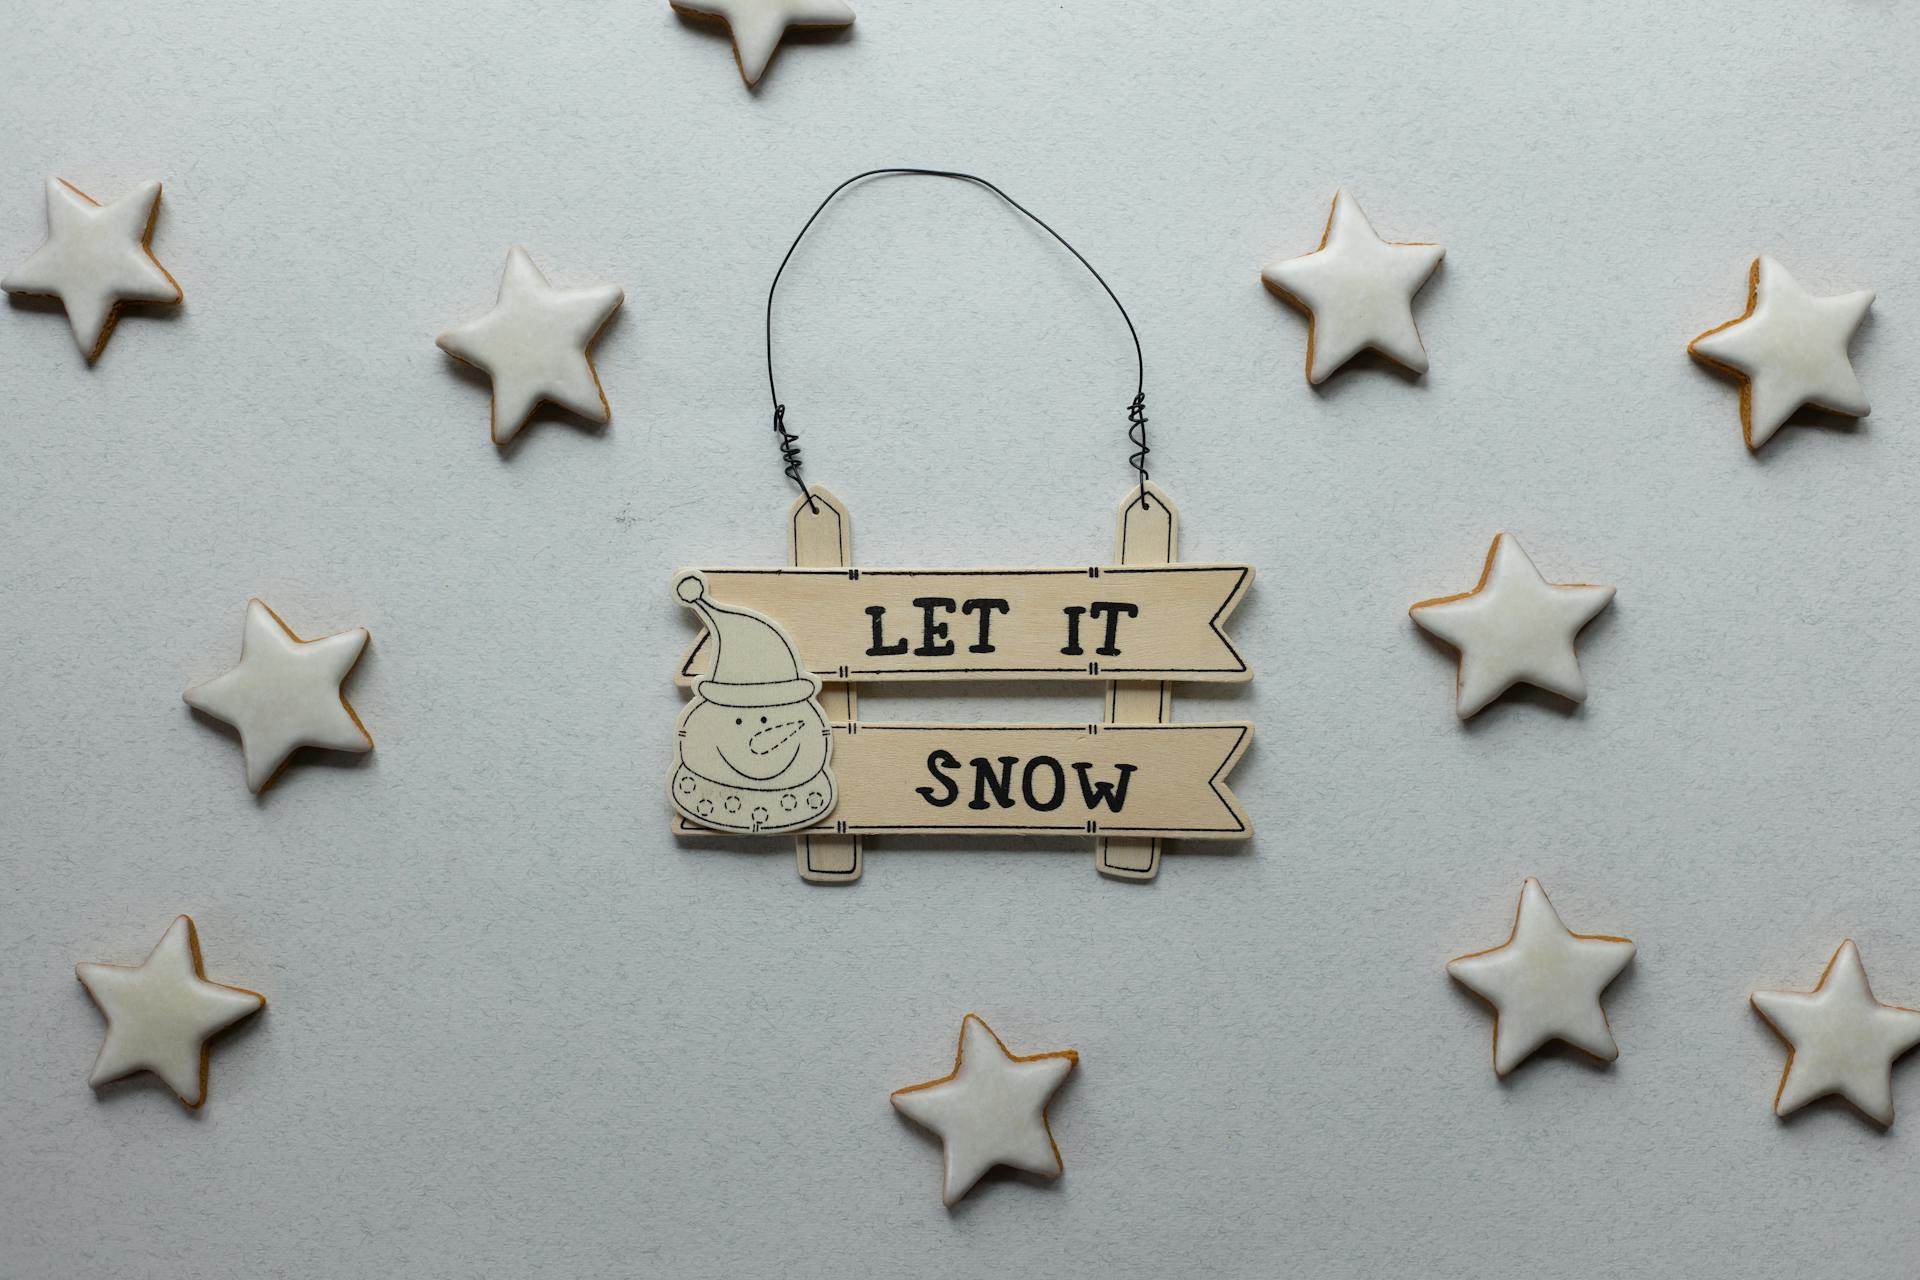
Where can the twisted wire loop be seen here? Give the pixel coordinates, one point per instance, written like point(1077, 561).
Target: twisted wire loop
point(790, 455)
point(1136, 412)
point(1137, 432)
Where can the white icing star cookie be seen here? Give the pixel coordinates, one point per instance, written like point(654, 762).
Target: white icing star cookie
point(991, 1110)
point(285, 694)
point(161, 1013)
point(96, 257)
point(1788, 349)
point(1515, 627)
point(1840, 1039)
point(1544, 983)
point(758, 25)
point(1357, 291)
point(536, 345)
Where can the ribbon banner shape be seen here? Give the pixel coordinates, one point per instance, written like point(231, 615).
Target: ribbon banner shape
point(1146, 622)
point(1047, 779)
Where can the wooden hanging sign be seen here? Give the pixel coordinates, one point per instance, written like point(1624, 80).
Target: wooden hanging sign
point(771, 742)
point(1116, 622)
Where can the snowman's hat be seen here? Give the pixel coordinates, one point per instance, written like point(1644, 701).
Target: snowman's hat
point(754, 664)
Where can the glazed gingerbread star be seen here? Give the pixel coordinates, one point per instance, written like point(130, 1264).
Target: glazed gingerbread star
point(96, 257)
point(285, 694)
point(1840, 1039)
point(758, 25)
point(990, 1109)
point(1544, 983)
point(1357, 291)
point(1514, 627)
point(161, 1013)
point(1788, 349)
point(537, 345)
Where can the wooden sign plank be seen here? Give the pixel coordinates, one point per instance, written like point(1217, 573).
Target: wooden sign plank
point(1149, 533)
point(1131, 622)
point(819, 532)
point(1143, 780)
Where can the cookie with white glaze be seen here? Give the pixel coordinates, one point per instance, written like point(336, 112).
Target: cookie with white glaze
point(1357, 291)
point(536, 345)
point(991, 1109)
point(757, 26)
point(96, 258)
point(1514, 627)
point(1544, 983)
point(162, 1012)
point(285, 694)
point(1840, 1040)
point(1788, 349)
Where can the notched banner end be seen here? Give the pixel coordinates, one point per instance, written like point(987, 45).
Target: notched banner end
point(1115, 622)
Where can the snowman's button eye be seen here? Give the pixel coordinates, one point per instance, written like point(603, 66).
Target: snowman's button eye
point(738, 720)
point(763, 719)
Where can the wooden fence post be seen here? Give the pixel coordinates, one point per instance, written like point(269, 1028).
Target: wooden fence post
point(821, 536)
point(1149, 533)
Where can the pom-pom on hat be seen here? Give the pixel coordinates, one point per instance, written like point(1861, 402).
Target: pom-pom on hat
point(754, 664)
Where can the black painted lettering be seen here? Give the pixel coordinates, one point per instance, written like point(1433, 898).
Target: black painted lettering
point(880, 648)
point(933, 640)
point(1073, 612)
point(1115, 610)
point(1032, 797)
point(984, 779)
point(1111, 794)
point(986, 608)
point(938, 761)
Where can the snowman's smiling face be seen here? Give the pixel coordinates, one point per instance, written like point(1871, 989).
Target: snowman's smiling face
point(760, 747)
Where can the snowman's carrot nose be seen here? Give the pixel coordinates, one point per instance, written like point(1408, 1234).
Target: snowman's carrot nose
point(775, 736)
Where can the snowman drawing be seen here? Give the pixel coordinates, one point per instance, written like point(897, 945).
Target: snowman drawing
point(751, 750)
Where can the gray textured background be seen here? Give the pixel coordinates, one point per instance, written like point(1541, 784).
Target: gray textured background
point(515, 1029)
